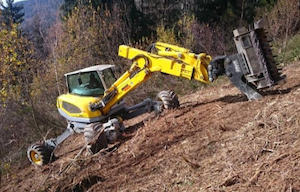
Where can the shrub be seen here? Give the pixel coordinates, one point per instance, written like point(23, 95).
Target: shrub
point(290, 52)
point(284, 19)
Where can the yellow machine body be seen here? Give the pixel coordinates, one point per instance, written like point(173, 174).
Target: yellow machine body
point(78, 106)
point(170, 59)
point(94, 99)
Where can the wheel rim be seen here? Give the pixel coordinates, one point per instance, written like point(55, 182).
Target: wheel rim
point(36, 158)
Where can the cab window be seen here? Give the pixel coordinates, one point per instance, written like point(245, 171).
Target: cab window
point(109, 77)
point(86, 84)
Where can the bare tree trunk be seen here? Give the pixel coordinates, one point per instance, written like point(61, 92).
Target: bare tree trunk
point(3, 119)
point(55, 67)
point(242, 13)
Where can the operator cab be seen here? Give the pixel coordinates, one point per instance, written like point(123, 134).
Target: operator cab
point(91, 81)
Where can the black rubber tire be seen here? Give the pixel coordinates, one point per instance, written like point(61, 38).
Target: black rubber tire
point(39, 154)
point(90, 132)
point(169, 99)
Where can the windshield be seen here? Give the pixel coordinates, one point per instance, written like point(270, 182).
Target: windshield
point(86, 84)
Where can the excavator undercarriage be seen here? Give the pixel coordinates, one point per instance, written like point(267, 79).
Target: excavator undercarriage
point(94, 105)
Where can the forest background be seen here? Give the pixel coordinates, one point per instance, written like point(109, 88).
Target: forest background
point(40, 40)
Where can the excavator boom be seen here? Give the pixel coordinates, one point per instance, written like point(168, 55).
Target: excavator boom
point(144, 64)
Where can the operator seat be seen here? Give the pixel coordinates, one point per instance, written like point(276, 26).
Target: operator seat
point(94, 83)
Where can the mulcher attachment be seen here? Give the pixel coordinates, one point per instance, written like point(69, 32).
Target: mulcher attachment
point(254, 67)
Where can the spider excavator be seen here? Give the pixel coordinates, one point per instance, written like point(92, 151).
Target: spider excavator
point(94, 103)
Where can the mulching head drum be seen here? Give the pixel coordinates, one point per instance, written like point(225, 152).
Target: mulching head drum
point(259, 66)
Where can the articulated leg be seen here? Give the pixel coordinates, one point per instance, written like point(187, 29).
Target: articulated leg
point(41, 153)
point(164, 100)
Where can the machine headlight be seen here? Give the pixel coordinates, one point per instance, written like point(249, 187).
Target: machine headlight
point(70, 108)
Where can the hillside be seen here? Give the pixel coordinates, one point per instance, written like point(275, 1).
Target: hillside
point(216, 141)
point(46, 10)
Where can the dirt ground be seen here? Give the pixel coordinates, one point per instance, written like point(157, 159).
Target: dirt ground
point(216, 141)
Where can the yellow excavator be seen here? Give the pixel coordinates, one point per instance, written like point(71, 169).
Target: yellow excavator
point(94, 102)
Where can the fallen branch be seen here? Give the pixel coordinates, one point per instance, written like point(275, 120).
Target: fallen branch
point(10, 142)
point(73, 161)
point(80, 152)
point(280, 158)
point(231, 181)
point(254, 178)
point(193, 164)
point(50, 168)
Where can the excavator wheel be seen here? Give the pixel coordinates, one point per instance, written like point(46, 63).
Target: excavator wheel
point(40, 154)
point(169, 99)
point(94, 137)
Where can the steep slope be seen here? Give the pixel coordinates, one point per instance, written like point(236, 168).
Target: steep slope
point(216, 141)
